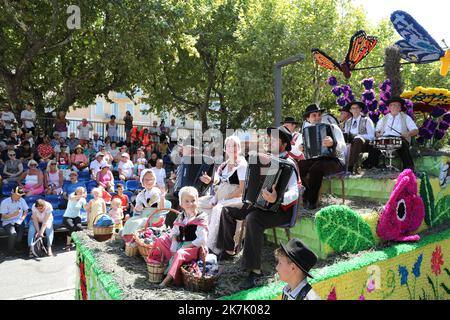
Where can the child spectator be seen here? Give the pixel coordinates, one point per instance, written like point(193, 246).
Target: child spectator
point(95, 207)
point(72, 216)
point(188, 236)
point(295, 260)
point(116, 213)
point(141, 161)
point(124, 200)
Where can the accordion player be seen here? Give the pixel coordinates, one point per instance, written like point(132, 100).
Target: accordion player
point(313, 137)
point(261, 177)
point(189, 172)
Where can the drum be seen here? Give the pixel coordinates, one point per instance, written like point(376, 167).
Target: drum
point(387, 143)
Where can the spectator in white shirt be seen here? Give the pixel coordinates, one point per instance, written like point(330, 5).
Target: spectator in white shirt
point(397, 124)
point(359, 131)
point(28, 118)
point(83, 130)
point(95, 165)
point(41, 222)
point(96, 142)
point(160, 174)
point(126, 168)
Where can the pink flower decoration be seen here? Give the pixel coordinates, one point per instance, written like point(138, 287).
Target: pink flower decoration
point(361, 297)
point(332, 295)
point(371, 286)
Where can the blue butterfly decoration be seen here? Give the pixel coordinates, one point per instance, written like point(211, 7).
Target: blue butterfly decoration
point(417, 45)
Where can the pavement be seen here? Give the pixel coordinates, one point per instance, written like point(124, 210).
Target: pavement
point(48, 278)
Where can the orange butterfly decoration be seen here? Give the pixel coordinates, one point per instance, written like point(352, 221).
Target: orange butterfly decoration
point(360, 47)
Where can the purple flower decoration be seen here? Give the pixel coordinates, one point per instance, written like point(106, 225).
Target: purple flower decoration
point(436, 113)
point(386, 85)
point(410, 112)
point(425, 133)
point(372, 105)
point(361, 297)
point(444, 125)
point(446, 117)
point(337, 91)
point(341, 101)
point(350, 98)
point(371, 286)
point(368, 95)
point(409, 103)
point(368, 83)
point(374, 116)
point(347, 89)
point(332, 81)
point(420, 140)
point(439, 134)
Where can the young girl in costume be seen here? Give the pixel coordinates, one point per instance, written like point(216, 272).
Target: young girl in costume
point(151, 196)
point(187, 237)
point(95, 207)
point(141, 162)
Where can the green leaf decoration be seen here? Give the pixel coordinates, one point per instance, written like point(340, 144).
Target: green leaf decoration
point(343, 229)
point(426, 192)
point(441, 212)
point(447, 290)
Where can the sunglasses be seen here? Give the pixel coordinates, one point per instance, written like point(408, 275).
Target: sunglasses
point(53, 164)
point(33, 165)
point(11, 154)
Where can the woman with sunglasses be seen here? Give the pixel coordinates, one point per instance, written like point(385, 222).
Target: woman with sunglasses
point(53, 179)
point(34, 179)
point(13, 168)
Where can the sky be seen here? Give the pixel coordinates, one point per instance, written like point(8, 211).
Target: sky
point(433, 15)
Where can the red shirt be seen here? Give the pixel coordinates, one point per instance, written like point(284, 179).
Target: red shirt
point(123, 198)
point(45, 150)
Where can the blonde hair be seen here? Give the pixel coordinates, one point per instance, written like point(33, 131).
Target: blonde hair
point(116, 201)
point(49, 165)
point(187, 191)
point(236, 140)
point(80, 189)
point(96, 190)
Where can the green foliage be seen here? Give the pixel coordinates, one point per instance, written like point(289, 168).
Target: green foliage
point(343, 229)
point(426, 192)
point(442, 211)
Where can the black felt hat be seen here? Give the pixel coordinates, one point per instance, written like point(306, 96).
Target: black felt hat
point(289, 120)
point(310, 109)
point(358, 103)
point(300, 254)
point(396, 99)
point(283, 133)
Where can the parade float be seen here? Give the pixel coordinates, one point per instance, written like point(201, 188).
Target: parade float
point(380, 235)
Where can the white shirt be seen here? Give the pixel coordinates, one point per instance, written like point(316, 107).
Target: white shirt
point(127, 168)
point(95, 166)
point(173, 132)
point(241, 171)
point(25, 114)
point(8, 206)
point(200, 240)
point(84, 131)
point(395, 124)
point(8, 116)
point(292, 294)
point(354, 129)
point(41, 215)
point(97, 144)
point(160, 176)
point(143, 197)
point(291, 193)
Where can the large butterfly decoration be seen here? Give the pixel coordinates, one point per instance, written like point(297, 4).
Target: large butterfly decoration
point(360, 46)
point(417, 45)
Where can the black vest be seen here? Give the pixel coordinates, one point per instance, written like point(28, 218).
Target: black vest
point(302, 294)
point(187, 233)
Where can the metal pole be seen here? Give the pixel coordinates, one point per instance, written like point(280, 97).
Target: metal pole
point(278, 85)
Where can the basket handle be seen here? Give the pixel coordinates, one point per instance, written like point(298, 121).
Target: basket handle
point(96, 217)
point(203, 253)
point(160, 251)
point(157, 211)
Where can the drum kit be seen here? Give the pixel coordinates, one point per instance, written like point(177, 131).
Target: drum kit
point(387, 145)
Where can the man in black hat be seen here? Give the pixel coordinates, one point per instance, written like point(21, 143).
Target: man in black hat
point(313, 170)
point(344, 115)
point(295, 260)
point(359, 131)
point(13, 211)
point(291, 125)
point(397, 124)
point(258, 220)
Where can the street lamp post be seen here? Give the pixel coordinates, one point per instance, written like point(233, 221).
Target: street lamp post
point(278, 84)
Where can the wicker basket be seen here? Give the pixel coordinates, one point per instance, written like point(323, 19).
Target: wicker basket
point(144, 249)
point(156, 270)
point(102, 233)
point(199, 283)
point(131, 249)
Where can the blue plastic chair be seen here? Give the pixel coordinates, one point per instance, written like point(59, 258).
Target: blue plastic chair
point(129, 194)
point(58, 217)
point(132, 185)
point(42, 166)
point(55, 200)
point(32, 199)
point(84, 174)
point(91, 185)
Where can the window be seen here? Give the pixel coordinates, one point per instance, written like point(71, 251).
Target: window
point(115, 109)
point(130, 107)
point(99, 108)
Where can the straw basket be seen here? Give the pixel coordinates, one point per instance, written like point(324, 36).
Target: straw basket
point(204, 283)
point(155, 270)
point(131, 249)
point(102, 233)
point(143, 248)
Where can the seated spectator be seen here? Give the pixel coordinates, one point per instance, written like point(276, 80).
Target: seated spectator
point(96, 165)
point(40, 137)
point(25, 152)
point(45, 150)
point(72, 142)
point(53, 178)
point(79, 160)
point(122, 149)
point(34, 179)
point(29, 137)
point(14, 138)
point(72, 215)
point(105, 178)
point(71, 185)
point(63, 157)
point(114, 151)
point(160, 174)
point(83, 131)
point(5, 153)
point(59, 143)
point(55, 140)
point(97, 142)
point(13, 168)
point(13, 211)
point(89, 151)
point(126, 203)
point(107, 156)
point(126, 168)
point(153, 160)
point(163, 147)
point(107, 144)
point(141, 161)
point(41, 222)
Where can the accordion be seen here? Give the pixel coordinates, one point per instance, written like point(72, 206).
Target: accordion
point(259, 177)
point(313, 137)
point(189, 172)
